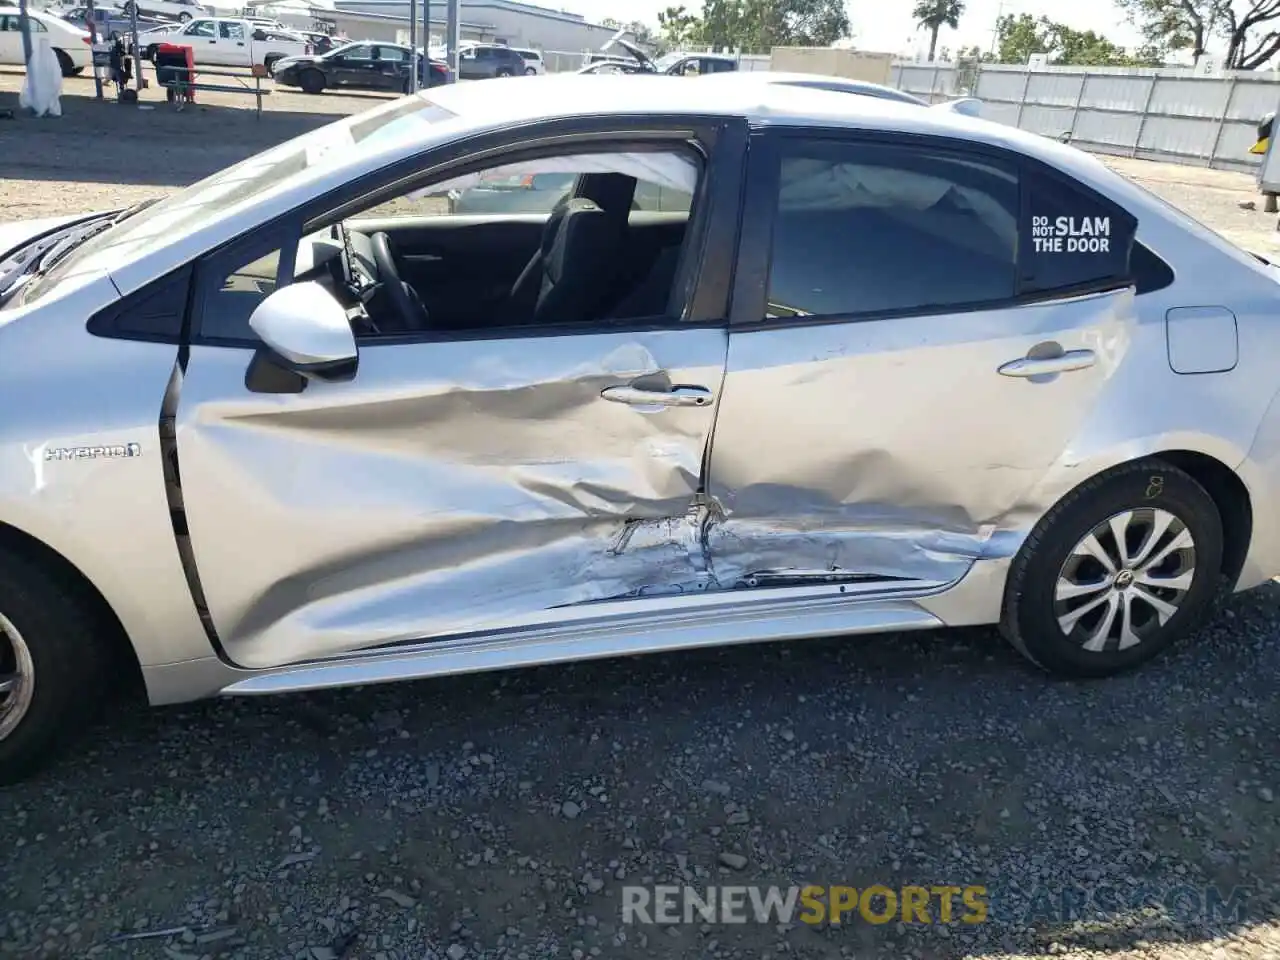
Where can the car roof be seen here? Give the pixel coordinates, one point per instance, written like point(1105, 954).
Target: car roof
point(494, 103)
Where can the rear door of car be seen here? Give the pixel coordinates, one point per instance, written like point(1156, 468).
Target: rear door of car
point(920, 327)
point(10, 39)
point(232, 48)
point(392, 67)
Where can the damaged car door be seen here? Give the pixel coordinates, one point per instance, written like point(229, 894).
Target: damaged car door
point(462, 481)
point(930, 324)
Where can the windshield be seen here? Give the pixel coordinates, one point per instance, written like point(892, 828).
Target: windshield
point(238, 186)
point(667, 60)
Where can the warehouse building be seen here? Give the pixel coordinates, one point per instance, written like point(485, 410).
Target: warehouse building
point(500, 21)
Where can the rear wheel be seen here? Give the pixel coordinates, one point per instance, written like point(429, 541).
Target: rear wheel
point(530, 72)
point(312, 81)
point(1124, 567)
point(504, 72)
point(184, 17)
point(270, 63)
point(64, 63)
point(54, 666)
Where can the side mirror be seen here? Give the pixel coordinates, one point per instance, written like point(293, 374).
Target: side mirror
point(306, 336)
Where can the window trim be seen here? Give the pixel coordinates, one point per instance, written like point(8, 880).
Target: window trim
point(755, 257)
point(711, 237)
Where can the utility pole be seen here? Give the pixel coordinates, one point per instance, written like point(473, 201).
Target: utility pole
point(995, 30)
point(453, 36)
point(24, 24)
point(92, 24)
point(413, 46)
point(426, 43)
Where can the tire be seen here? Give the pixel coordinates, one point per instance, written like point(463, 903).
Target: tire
point(184, 18)
point(311, 81)
point(64, 664)
point(1137, 497)
point(64, 63)
point(530, 72)
point(503, 72)
point(151, 53)
point(270, 63)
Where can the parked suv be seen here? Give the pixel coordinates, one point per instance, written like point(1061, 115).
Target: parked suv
point(533, 62)
point(480, 61)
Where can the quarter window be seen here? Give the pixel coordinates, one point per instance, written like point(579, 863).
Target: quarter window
point(1073, 238)
point(866, 228)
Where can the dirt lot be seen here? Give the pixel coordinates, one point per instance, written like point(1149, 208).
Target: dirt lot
point(499, 816)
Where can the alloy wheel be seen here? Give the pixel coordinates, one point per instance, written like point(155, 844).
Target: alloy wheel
point(17, 678)
point(1125, 579)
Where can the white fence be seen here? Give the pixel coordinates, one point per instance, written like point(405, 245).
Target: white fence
point(1168, 114)
point(1158, 114)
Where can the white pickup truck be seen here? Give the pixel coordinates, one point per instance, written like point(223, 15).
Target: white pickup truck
point(228, 42)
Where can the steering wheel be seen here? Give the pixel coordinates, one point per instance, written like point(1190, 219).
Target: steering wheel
point(403, 297)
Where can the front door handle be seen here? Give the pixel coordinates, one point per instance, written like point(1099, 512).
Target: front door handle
point(1048, 366)
point(674, 397)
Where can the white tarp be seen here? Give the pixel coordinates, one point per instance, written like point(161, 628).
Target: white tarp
point(42, 88)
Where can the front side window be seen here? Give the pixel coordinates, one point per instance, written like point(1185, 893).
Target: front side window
point(201, 28)
point(232, 31)
point(358, 53)
point(866, 228)
point(595, 259)
point(241, 185)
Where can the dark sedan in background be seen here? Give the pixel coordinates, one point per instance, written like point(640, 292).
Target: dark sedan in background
point(359, 66)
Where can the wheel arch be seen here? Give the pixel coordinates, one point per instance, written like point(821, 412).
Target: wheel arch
point(17, 542)
point(1230, 496)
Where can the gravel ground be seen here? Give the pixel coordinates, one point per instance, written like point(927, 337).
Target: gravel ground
point(499, 816)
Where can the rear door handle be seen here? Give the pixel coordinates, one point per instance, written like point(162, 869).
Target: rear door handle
point(1047, 366)
point(675, 397)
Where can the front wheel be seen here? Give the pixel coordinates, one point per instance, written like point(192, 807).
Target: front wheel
point(54, 666)
point(1128, 564)
point(311, 81)
point(184, 17)
point(504, 72)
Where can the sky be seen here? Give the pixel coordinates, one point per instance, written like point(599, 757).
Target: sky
point(885, 25)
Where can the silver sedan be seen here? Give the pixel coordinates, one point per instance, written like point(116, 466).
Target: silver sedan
point(868, 367)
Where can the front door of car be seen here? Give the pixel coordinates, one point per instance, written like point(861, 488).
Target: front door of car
point(917, 337)
point(460, 482)
point(354, 67)
point(202, 37)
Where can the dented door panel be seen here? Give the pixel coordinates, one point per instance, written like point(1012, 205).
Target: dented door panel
point(895, 448)
point(449, 487)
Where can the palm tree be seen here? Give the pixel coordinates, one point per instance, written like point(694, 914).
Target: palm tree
point(933, 15)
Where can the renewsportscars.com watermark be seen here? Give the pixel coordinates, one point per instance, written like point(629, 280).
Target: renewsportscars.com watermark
point(937, 904)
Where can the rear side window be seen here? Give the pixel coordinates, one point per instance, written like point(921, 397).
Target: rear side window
point(865, 228)
point(879, 228)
